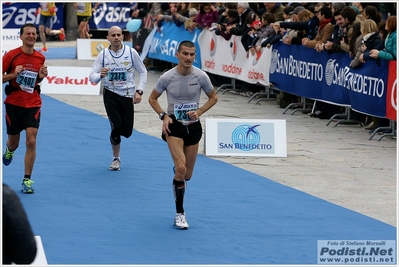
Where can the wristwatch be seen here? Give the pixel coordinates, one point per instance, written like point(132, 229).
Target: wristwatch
point(140, 92)
point(162, 115)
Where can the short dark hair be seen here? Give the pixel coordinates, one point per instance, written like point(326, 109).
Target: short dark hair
point(349, 13)
point(185, 43)
point(326, 11)
point(27, 25)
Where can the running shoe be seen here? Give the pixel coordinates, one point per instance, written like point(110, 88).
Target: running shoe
point(180, 221)
point(44, 49)
point(62, 35)
point(27, 186)
point(7, 156)
point(115, 165)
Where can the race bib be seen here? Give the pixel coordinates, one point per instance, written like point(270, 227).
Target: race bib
point(180, 112)
point(117, 75)
point(27, 80)
point(81, 7)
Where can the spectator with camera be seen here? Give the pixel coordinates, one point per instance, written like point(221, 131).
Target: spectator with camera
point(232, 19)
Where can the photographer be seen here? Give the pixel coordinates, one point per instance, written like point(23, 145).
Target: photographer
point(232, 18)
point(333, 45)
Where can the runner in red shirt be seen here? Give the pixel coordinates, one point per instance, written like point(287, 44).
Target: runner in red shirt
point(23, 69)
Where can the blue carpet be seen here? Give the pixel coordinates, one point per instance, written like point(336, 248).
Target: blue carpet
point(86, 214)
point(60, 52)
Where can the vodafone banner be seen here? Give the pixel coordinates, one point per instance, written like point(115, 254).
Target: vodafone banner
point(392, 95)
point(69, 80)
point(229, 59)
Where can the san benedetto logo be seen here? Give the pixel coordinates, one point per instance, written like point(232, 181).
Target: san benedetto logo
point(274, 61)
point(246, 137)
point(329, 71)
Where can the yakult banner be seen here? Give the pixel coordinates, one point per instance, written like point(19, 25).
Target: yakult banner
point(110, 14)
point(16, 14)
point(70, 81)
point(392, 92)
point(229, 59)
point(304, 72)
point(166, 39)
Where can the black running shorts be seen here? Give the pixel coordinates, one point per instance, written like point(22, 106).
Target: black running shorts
point(19, 118)
point(191, 134)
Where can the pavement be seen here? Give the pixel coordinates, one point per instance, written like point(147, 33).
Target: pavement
point(338, 164)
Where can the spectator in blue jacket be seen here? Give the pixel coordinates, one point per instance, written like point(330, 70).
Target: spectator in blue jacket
point(389, 52)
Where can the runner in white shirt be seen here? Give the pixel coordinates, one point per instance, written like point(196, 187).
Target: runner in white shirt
point(181, 127)
point(116, 66)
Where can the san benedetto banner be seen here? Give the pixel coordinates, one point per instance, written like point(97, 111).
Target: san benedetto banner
point(245, 137)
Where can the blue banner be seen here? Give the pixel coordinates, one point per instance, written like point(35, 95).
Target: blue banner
point(15, 15)
point(110, 14)
point(328, 77)
point(166, 40)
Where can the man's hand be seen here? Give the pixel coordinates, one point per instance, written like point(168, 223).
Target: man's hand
point(43, 72)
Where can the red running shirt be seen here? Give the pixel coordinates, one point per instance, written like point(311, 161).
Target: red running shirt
point(31, 64)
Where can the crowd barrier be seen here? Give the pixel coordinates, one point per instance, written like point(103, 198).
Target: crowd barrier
point(369, 88)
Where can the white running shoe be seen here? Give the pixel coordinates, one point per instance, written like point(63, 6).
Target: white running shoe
point(180, 221)
point(115, 165)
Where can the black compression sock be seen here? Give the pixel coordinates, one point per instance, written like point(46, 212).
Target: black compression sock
point(178, 190)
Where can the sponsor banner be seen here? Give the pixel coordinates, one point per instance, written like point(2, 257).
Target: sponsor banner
point(356, 252)
point(15, 15)
point(110, 14)
point(392, 92)
point(165, 41)
point(245, 137)
point(229, 59)
point(10, 39)
point(88, 49)
point(304, 72)
point(69, 80)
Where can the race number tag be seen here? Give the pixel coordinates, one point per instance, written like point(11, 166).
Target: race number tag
point(180, 111)
point(81, 7)
point(27, 80)
point(117, 75)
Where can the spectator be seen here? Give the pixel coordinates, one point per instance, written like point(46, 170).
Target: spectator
point(277, 9)
point(325, 28)
point(370, 40)
point(191, 24)
point(310, 26)
point(245, 17)
point(337, 6)
point(232, 19)
point(387, 9)
point(356, 39)
point(371, 12)
point(304, 15)
point(333, 45)
point(292, 33)
point(223, 16)
point(174, 16)
point(287, 13)
point(207, 15)
point(19, 245)
point(267, 31)
point(350, 16)
point(389, 52)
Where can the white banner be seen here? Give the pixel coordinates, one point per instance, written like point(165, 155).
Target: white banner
point(10, 39)
point(229, 59)
point(69, 80)
point(242, 137)
point(88, 49)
